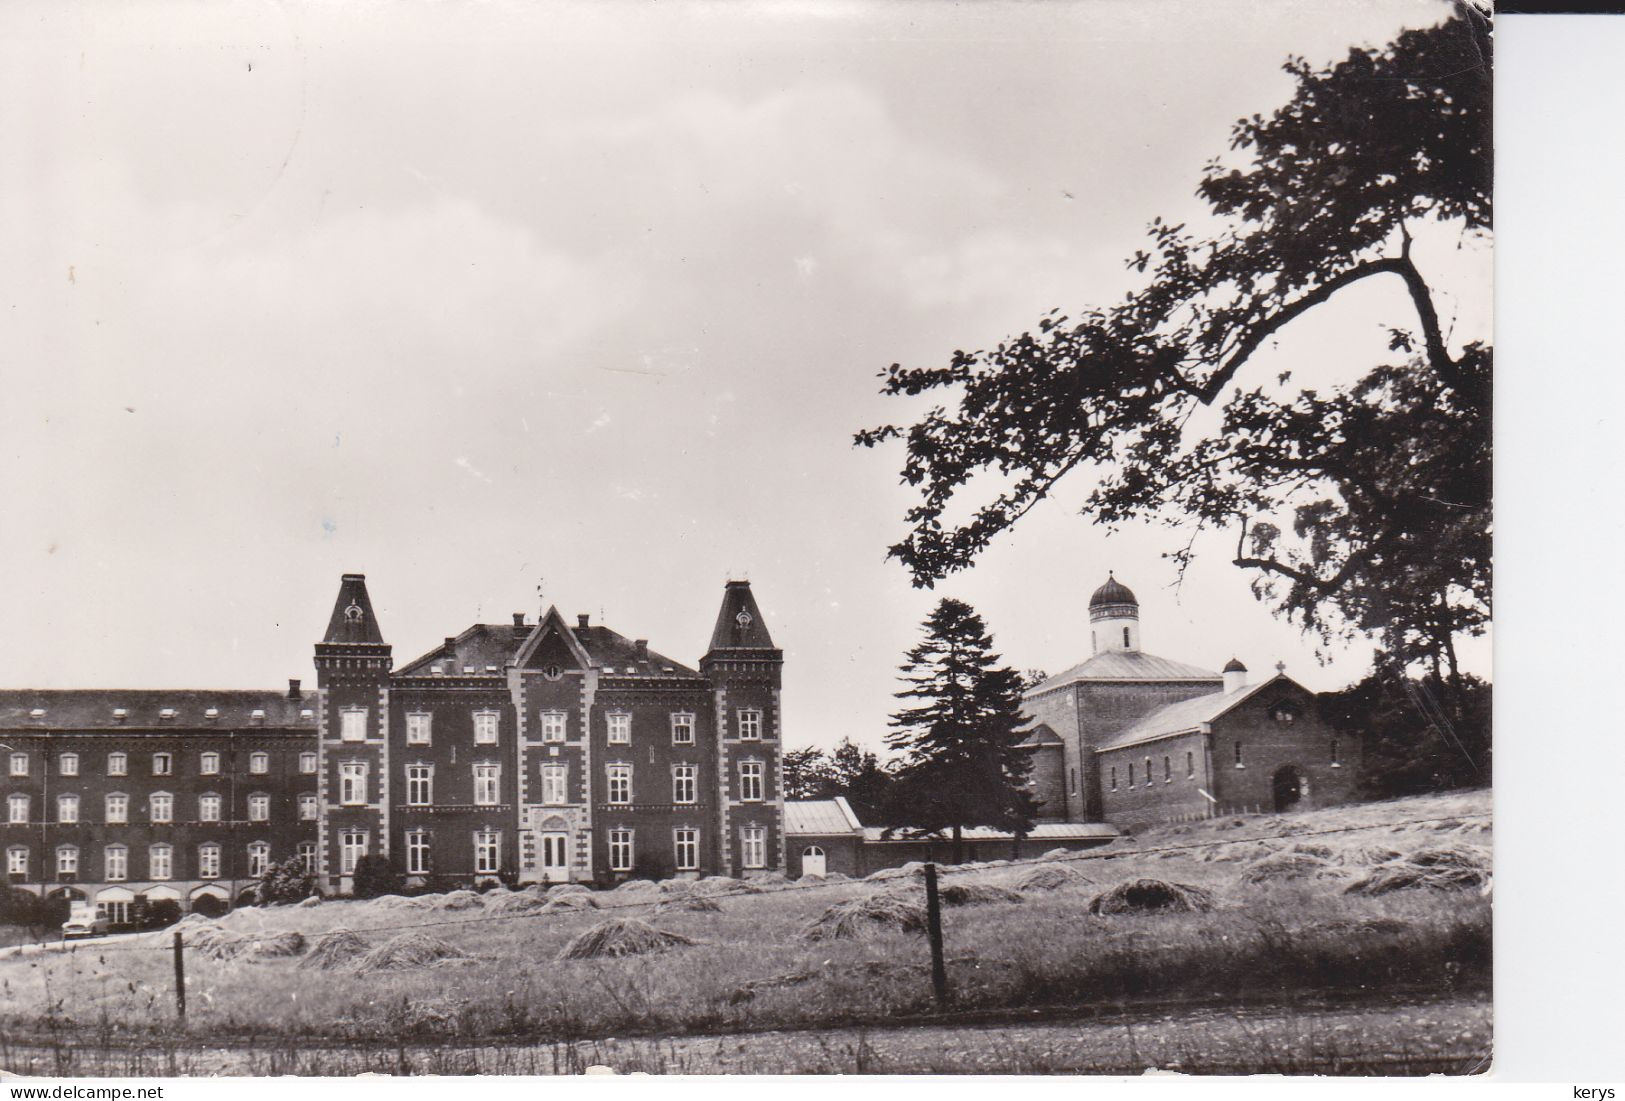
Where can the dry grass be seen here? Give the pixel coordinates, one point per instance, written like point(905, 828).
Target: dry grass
point(333, 950)
point(622, 937)
point(689, 904)
point(1442, 868)
point(1142, 895)
point(408, 952)
point(976, 894)
point(856, 916)
point(1053, 877)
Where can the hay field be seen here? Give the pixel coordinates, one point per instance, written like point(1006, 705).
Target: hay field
point(472, 968)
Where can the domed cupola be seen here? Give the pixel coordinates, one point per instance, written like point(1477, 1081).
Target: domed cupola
point(1235, 676)
point(1114, 618)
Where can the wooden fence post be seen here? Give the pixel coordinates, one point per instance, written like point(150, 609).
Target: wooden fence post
point(180, 979)
point(933, 928)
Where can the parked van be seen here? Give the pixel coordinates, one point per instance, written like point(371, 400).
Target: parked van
point(84, 921)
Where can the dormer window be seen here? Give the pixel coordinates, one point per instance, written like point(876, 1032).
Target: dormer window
point(257, 716)
point(120, 714)
point(37, 713)
point(435, 670)
point(212, 714)
point(306, 714)
point(167, 713)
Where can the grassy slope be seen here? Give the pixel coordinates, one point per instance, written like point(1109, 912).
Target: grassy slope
point(1268, 941)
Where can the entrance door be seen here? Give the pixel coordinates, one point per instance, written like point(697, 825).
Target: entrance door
point(812, 861)
point(1288, 787)
point(555, 858)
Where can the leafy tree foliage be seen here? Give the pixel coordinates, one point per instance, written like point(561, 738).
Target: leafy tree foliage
point(961, 762)
point(373, 876)
point(1365, 508)
point(18, 907)
point(850, 771)
point(808, 774)
point(1413, 743)
point(286, 882)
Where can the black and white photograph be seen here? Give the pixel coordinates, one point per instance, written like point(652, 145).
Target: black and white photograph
point(768, 538)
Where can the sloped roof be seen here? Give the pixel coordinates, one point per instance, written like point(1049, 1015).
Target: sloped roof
point(352, 621)
point(93, 709)
point(1043, 831)
point(1042, 734)
point(739, 621)
point(1127, 665)
point(819, 816)
point(492, 646)
point(615, 653)
point(1186, 715)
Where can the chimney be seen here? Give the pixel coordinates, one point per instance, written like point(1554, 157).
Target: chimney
point(519, 619)
point(293, 688)
point(581, 621)
point(642, 645)
point(451, 645)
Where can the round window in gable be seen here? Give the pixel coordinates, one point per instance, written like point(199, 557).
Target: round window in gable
point(552, 672)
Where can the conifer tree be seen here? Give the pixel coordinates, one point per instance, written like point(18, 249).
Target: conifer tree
point(959, 737)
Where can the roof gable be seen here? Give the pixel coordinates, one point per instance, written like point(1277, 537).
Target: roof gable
point(1189, 715)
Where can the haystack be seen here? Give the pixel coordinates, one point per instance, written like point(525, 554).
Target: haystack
point(408, 952)
point(723, 885)
point(676, 886)
point(335, 949)
point(514, 902)
point(852, 917)
point(307, 903)
point(1056, 854)
point(1435, 869)
point(576, 903)
point(460, 900)
point(1052, 877)
point(275, 946)
point(688, 902)
point(1138, 895)
point(567, 889)
point(621, 937)
point(770, 880)
point(636, 887)
point(976, 894)
point(401, 902)
point(1285, 865)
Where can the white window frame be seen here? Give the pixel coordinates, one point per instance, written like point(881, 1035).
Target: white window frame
point(19, 764)
point(18, 806)
point(259, 807)
point(259, 858)
point(685, 784)
point(752, 778)
point(67, 860)
point(487, 727)
point(309, 809)
point(352, 783)
point(67, 808)
point(164, 800)
point(353, 845)
point(163, 764)
point(419, 775)
point(417, 851)
point(116, 808)
point(160, 869)
point(419, 727)
point(621, 852)
point(753, 846)
point(116, 863)
point(209, 806)
point(750, 723)
point(487, 852)
point(118, 764)
point(67, 764)
point(208, 764)
point(352, 724)
point(555, 726)
point(17, 860)
point(259, 763)
point(487, 784)
point(618, 776)
point(685, 844)
point(619, 727)
point(555, 784)
point(682, 728)
point(208, 860)
point(307, 764)
point(307, 856)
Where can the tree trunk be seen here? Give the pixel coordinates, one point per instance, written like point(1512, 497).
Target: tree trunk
point(959, 844)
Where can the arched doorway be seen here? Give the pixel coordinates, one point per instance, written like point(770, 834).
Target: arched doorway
point(1288, 787)
point(554, 841)
point(812, 861)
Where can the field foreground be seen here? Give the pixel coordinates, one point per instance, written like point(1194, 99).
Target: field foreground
point(429, 978)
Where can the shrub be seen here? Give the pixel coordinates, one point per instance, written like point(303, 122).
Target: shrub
point(373, 877)
point(285, 882)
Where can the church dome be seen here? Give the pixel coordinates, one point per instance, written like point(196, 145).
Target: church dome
point(1234, 666)
point(1112, 592)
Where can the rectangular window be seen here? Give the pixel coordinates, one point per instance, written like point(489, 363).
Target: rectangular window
point(552, 726)
point(160, 862)
point(307, 807)
point(67, 808)
point(19, 764)
point(118, 764)
point(117, 809)
point(352, 847)
point(307, 856)
point(750, 724)
point(682, 728)
point(259, 808)
point(163, 764)
point(16, 861)
point(68, 764)
point(555, 779)
point(353, 783)
point(1238, 756)
point(67, 861)
point(684, 783)
point(753, 846)
point(208, 764)
point(485, 727)
point(161, 807)
point(17, 810)
point(487, 782)
point(116, 863)
point(307, 763)
point(750, 781)
point(259, 763)
point(1336, 762)
point(620, 783)
point(620, 728)
point(259, 859)
point(1167, 771)
point(419, 785)
point(353, 724)
point(1190, 766)
point(620, 850)
point(487, 852)
point(1148, 773)
point(1114, 777)
point(208, 861)
point(417, 852)
point(1131, 774)
point(1072, 781)
point(208, 808)
point(417, 728)
point(686, 842)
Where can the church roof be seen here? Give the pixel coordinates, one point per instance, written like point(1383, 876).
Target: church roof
point(1183, 717)
point(1112, 592)
point(1127, 665)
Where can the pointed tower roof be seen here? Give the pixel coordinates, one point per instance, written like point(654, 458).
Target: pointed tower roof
point(739, 624)
point(352, 621)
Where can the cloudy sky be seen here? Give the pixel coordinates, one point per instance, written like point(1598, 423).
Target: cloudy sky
point(478, 297)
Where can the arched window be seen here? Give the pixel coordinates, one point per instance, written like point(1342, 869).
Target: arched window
point(160, 862)
point(1073, 790)
point(1336, 761)
point(1125, 638)
point(259, 762)
point(208, 807)
point(116, 808)
point(116, 863)
point(1131, 774)
point(67, 860)
point(259, 859)
point(209, 764)
point(259, 807)
point(208, 860)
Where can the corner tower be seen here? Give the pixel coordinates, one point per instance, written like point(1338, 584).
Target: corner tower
point(352, 680)
point(745, 670)
point(1114, 619)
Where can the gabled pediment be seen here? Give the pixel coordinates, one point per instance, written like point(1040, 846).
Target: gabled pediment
point(552, 644)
